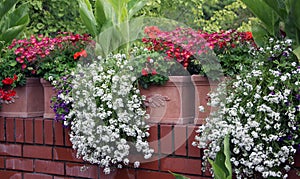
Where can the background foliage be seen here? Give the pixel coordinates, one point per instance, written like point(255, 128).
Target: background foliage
point(208, 15)
point(51, 16)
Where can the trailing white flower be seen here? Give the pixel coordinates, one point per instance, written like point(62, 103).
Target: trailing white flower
point(109, 120)
point(260, 111)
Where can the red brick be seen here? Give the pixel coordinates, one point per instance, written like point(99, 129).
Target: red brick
point(19, 130)
point(181, 165)
point(38, 131)
point(58, 134)
point(49, 167)
point(36, 176)
point(19, 164)
point(297, 159)
point(10, 149)
point(192, 151)
point(151, 163)
point(124, 173)
point(73, 169)
point(153, 138)
point(166, 139)
point(42, 152)
point(293, 174)
point(2, 131)
point(55, 177)
point(152, 174)
point(10, 175)
point(66, 154)
point(67, 137)
point(196, 177)
point(10, 129)
point(29, 131)
point(48, 132)
point(2, 162)
point(180, 140)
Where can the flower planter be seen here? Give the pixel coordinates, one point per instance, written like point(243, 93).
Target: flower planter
point(202, 87)
point(48, 94)
point(30, 101)
point(171, 103)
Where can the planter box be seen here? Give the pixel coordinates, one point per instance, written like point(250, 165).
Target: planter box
point(202, 87)
point(30, 101)
point(48, 94)
point(172, 103)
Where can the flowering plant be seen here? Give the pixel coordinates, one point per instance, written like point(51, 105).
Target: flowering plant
point(7, 94)
point(61, 103)
point(260, 111)
point(201, 52)
point(46, 56)
point(107, 112)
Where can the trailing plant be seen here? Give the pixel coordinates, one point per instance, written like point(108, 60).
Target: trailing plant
point(109, 119)
point(260, 110)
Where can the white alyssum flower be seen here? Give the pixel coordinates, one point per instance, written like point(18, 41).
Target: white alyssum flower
point(259, 113)
point(108, 110)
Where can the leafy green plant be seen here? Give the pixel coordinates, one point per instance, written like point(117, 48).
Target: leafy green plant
point(222, 166)
point(178, 176)
point(277, 17)
point(13, 20)
point(57, 16)
point(111, 22)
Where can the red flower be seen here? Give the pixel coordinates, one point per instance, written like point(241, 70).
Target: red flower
point(8, 81)
point(249, 35)
point(80, 54)
point(154, 72)
point(144, 72)
point(15, 77)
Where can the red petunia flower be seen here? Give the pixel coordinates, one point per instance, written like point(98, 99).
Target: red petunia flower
point(144, 72)
point(154, 72)
point(80, 54)
point(7, 81)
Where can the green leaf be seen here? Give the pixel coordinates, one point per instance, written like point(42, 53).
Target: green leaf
point(295, 13)
point(136, 7)
point(278, 6)
point(218, 172)
point(297, 52)
point(227, 156)
point(87, 16)
point(120, 9)
point(178, 176)
point(19, 16)
point(12, 33)
point(5, 6)
point(259, 33)
point(264, 13)
point(100, 15)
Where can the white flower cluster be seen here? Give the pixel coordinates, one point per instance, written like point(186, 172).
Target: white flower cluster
point(109, 120)
point(261, 113)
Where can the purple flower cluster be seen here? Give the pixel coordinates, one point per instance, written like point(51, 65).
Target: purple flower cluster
point(60, 103)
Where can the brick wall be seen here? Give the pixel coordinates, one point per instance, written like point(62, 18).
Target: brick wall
point(39, 148)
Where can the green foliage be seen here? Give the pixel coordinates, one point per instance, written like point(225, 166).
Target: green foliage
point(9, 67)
point(178, 176)
point(222, 166)
point(276, 16)
point(208, 15)
point(51, 16)
point(13, 20)
point(111, 22)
